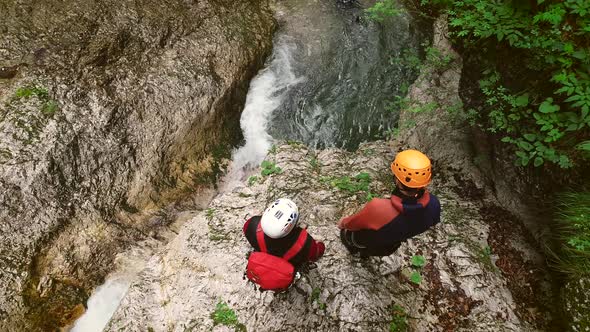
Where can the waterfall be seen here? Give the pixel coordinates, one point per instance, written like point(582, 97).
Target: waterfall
point(266, 93)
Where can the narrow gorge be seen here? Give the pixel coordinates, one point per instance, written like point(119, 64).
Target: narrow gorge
point(131, 141)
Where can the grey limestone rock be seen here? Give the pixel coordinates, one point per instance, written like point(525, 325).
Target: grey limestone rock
point(108, 110)
point(460, 290)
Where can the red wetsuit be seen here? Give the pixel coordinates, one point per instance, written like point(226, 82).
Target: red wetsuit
point(380, 227)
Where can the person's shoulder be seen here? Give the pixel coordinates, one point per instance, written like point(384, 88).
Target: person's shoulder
point(253, 223)
point(378, 202)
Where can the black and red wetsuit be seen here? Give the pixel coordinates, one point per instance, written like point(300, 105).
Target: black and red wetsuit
point(383, 224)
point(312, 250)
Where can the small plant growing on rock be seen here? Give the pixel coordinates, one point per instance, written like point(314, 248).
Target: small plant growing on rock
point(573, 218)
point(224, 315)
point(418, 261)
point(315, 297)
point(485, 257)
point(5, 155)
point(368, 152)
point(215, 229)
point(399, 319)
point(423, 108)
point(252, 180)
point(416, 277)
point(49, 108)
point(216, 235)
point(360, 182)
point(397, 104)
point(295, 144)
point(29, 91)
point(210, 213)
point(394, 132)
point(436, 59)
point(268, 168)
point(28, 120)
point(352, 185)
point(315, 164)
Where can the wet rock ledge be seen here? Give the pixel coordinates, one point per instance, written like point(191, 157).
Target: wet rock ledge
point(108, 109)
point(461, 287)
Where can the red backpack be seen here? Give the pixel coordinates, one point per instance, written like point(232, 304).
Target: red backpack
point(272, 272)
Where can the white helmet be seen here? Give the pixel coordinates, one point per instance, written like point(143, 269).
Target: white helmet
point(280, 218)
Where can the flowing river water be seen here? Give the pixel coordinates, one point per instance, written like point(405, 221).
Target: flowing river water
point(327, 83)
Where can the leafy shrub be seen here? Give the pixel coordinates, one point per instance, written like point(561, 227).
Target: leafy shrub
point(382, 9)
point(435, 59)
point(543, 119)
point(423, 108)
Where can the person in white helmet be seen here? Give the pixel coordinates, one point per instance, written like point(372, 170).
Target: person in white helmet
point(281, 234)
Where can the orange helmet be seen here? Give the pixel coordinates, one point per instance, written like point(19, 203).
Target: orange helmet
point(412, 168)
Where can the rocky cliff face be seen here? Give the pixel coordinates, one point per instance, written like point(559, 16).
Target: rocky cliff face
point(108, 109)
point(483, 271)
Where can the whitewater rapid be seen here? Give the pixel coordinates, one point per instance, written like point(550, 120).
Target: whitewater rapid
point(266, 93)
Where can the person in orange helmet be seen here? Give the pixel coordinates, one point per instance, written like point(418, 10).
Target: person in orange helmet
point(383, 224)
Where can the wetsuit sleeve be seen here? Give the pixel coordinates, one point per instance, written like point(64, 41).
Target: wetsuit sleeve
point(316, 250)
point(246, 226)
point(374, 215)
point(250, 231)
